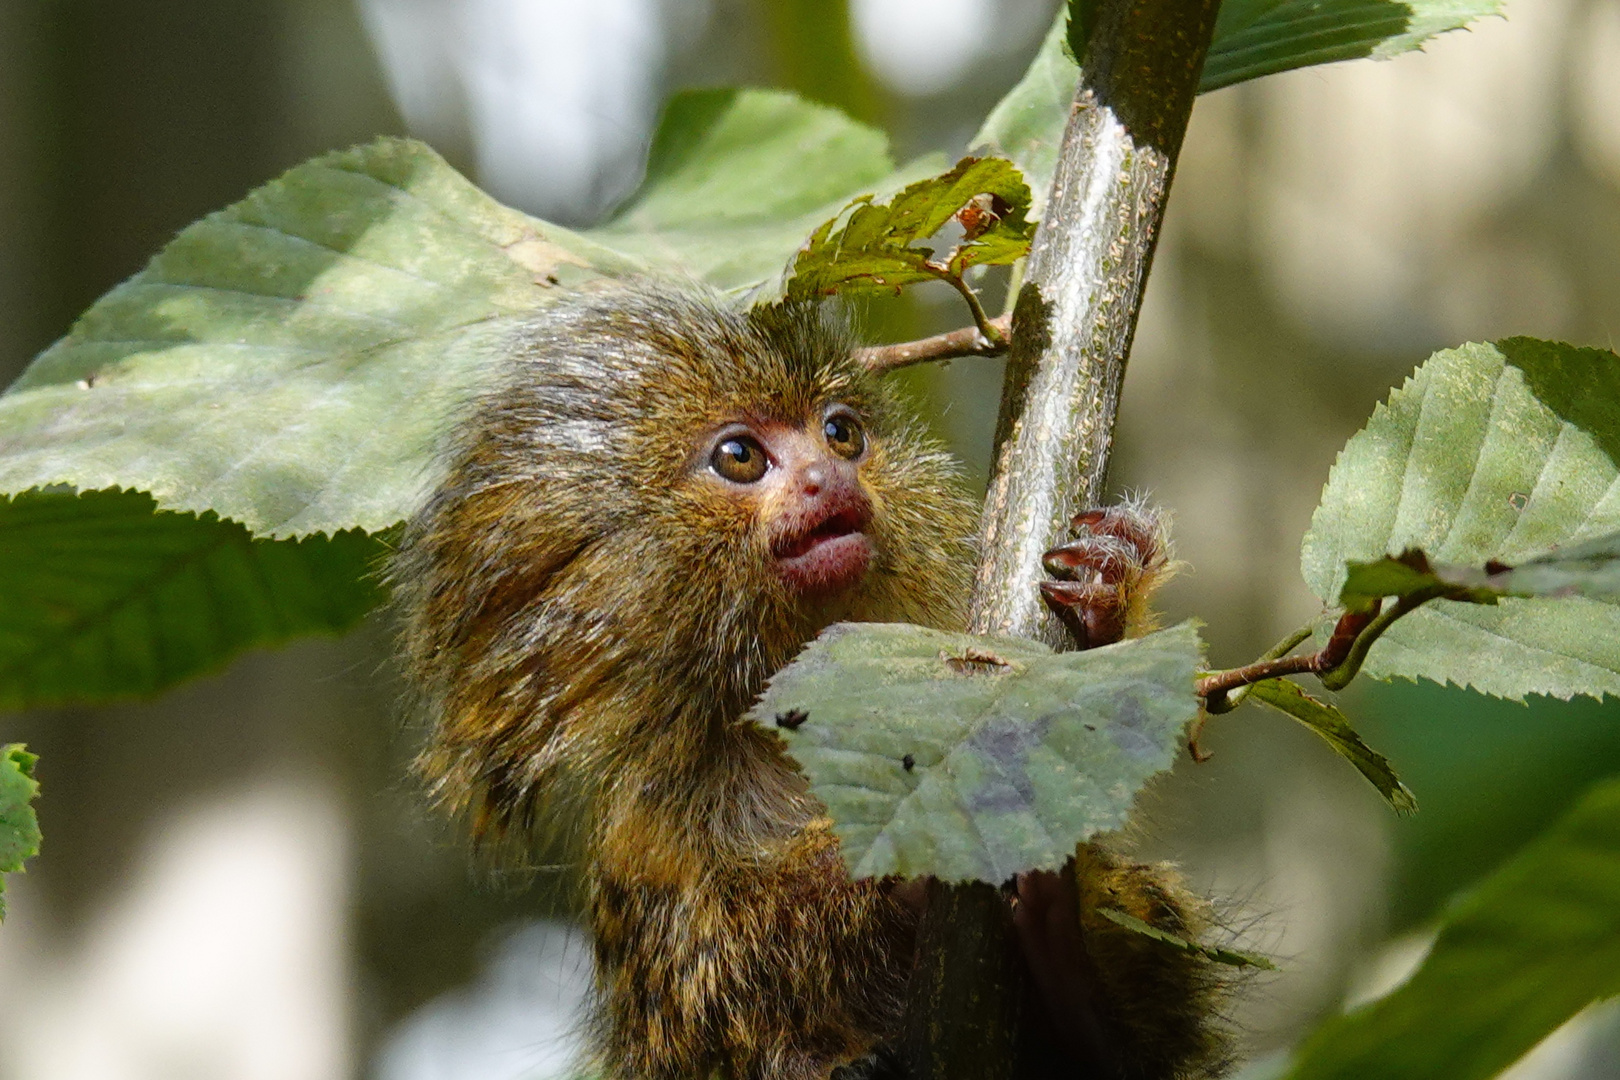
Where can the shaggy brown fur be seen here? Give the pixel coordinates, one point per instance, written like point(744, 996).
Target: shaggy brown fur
point(589, 621)
point(588, 617)
point(1159, 1003)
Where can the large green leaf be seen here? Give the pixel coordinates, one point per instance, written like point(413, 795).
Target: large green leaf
point(1516, 958)
point(19, 828)
point(103, 598)
point(738, 179)
point(291, 364)
point(976, 758)
point(288, 362)
point(1026, 126)
point(1487, 453)
point(1263, 37)
point(1252, 38)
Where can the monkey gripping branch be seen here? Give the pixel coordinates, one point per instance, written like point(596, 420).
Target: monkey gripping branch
point(221, 449)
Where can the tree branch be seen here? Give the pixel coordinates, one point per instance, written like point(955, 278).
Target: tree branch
point(968, 341)
point(1072, 328)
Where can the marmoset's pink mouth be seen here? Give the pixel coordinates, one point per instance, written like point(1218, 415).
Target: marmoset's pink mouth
point(831, 554)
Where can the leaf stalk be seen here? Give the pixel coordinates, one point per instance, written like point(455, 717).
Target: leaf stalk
point(987, 326)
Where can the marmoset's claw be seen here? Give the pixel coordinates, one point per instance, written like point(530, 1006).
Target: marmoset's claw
point(1139, 526)
point(1114, 551)
point(1110, 558)
point(1093, 612)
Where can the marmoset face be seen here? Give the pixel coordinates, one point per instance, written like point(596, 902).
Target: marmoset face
point(803, 484)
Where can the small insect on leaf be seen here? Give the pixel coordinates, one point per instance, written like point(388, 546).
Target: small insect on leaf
point(907, 762)
point(791, 719)
point(982, 213)
point(976, 661)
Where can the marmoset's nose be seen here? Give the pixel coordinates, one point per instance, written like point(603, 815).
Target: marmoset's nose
point(815, 477)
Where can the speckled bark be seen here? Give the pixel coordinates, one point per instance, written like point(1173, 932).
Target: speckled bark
point(1072, 331)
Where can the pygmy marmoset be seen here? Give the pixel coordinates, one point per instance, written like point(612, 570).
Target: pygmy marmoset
point(662, 499)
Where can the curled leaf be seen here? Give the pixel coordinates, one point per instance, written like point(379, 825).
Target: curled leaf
point(1590, 569)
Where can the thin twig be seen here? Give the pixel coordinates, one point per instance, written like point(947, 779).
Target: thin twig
point(1335, 663)
point(968, 341)
point(1228, 698)
point(1223, 691)
point(1198, 753)
point(1214, 688)
point(1289, 643)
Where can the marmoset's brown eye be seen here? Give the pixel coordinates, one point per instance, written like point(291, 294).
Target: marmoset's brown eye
point(844, 435)
point(739, 459)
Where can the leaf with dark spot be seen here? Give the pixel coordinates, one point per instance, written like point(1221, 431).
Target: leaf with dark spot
point(878, 247)
point(972, 776)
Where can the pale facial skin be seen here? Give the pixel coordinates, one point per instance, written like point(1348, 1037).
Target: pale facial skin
point(806, 484)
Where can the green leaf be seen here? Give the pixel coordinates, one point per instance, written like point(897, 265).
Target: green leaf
point(105, 599)
point(1590, 569)
point(292, 363)
point(1252, 38)
point(1263, 37)
point(19, 827)
point(1406, 576)
point(1026, 125)
point(1580, 385)
point(737, 179)
point(1216, 953)
point(973, 758)
point(875, 249)
point(1290, 699)
point(1481, 457)
point(288, 362)
point(1517, 957)
point(1082, 19)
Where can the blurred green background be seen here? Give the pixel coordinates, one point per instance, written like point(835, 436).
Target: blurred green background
point(240, 879)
